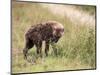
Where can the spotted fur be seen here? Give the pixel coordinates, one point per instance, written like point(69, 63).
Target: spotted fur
point(50, 32)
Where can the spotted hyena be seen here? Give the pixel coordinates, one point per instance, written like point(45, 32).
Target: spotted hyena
point(50, 32)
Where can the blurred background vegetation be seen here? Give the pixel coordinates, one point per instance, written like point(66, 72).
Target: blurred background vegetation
point(76, 49)
point(89, 9)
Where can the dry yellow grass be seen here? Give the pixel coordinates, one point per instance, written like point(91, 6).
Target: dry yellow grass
point(76, 49)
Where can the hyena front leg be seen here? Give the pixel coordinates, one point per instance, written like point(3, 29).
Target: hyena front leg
point(54, 46)
point(39, 49)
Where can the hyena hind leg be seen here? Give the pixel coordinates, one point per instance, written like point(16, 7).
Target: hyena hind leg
point(28, 45)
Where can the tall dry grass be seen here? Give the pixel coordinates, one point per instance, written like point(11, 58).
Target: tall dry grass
point(76, 49)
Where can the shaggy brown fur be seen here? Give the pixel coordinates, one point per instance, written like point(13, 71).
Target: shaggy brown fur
point(49, 31)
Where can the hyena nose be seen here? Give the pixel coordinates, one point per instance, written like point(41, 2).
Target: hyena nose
point(62, 33)
point(59, 35)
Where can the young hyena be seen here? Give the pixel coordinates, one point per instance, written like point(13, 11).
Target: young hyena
point(50, 32)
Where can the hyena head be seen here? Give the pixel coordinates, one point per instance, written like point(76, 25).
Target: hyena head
point(58, 31)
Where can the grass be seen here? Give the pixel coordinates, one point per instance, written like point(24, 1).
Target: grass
point(88, 9)
point(76, 49)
